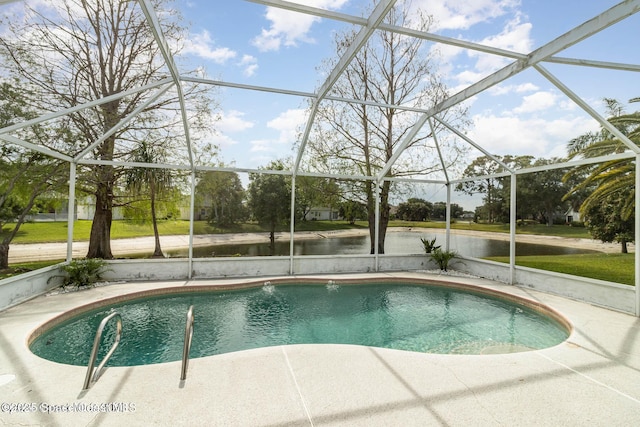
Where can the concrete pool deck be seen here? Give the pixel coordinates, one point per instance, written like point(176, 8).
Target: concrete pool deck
point(591, 379)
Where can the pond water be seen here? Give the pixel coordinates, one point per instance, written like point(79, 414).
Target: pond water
point(396, 243)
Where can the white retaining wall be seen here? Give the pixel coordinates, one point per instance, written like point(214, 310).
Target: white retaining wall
point(18, 289)
point(598, 292)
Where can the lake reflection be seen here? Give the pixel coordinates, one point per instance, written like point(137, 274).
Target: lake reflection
point(396, 243)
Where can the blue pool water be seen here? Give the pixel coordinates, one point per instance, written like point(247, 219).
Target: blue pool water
point(432, 319)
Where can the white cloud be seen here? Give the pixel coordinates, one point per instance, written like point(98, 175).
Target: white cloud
point(289, 28)
point(250, 65)
point(539, 101)
point(461, 15)
point(288, 124)
point(262, 146)
point(203, 46)
point(232, 121)
point(538, 137)
point(514, 37)
point(222, 141)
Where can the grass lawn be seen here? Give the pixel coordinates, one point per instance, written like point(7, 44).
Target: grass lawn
point(25, 268)
point(617, 268)
point(39, 232)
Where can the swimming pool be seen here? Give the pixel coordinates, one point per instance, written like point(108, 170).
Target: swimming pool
point(411, 316)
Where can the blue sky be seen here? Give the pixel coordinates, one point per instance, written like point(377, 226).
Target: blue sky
point(242, 42)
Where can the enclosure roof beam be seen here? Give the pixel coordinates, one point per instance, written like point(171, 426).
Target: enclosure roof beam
point(154, 24)
point(542, 168)
point(575, 163)
point(595, 64)
point(81, 107)
point(133, 164)
point(577, 34)
point(593, 113)
point(356, 20)
point(311, 95)
point(481, 177)
point(244, 86)
point(435, 140)
point(124, 121)
point(34, 147)
point(378, 14)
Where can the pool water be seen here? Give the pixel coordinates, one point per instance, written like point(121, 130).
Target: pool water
point(431, 319)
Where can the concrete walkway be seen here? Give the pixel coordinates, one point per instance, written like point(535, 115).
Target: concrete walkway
point(591, 379)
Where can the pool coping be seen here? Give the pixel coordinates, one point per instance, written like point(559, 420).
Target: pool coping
point(593, 376)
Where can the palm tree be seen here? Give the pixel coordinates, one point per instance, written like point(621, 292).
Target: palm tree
point(612, 178)
point(153, 180)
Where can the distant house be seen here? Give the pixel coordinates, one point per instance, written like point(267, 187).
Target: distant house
point(468, 216)
point(571, 216)
point(322, 214)
point(86, 209)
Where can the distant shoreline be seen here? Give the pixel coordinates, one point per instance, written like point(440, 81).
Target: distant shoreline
point(19, 252)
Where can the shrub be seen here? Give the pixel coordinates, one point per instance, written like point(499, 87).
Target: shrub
point(442, 258)
point(82, 272)
point(429, 245)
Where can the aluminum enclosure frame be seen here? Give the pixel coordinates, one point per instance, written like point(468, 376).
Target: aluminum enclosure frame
point(521, 62)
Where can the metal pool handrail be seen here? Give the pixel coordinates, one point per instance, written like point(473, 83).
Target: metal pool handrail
point(188, 335)
point(92, 376)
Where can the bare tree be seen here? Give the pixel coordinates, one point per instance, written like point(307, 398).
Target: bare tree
point(354, 138)
point(75, 51)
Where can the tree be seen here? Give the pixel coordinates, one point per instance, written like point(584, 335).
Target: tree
point(611, 179)
point(491, 186)
point(440, 210)
point(415, 210)
point(270, 199)
point(352, 211)
point(75, 51)
point(224, 191)
point(151, 181)
point(23, 177)
point(24, 174)
point(359, 138)
point(316, 192)
point(541, 193)
point(607, 222)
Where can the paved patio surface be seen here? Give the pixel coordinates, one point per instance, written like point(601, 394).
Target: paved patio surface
point(591, 379)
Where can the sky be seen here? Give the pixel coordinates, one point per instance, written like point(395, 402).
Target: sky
point(243, 42)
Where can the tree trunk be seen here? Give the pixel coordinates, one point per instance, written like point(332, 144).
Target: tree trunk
point(4, 256)
point(272, 241)
point(157, 251)
point(384, 216)
point(623, 244)
point(100, 238)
